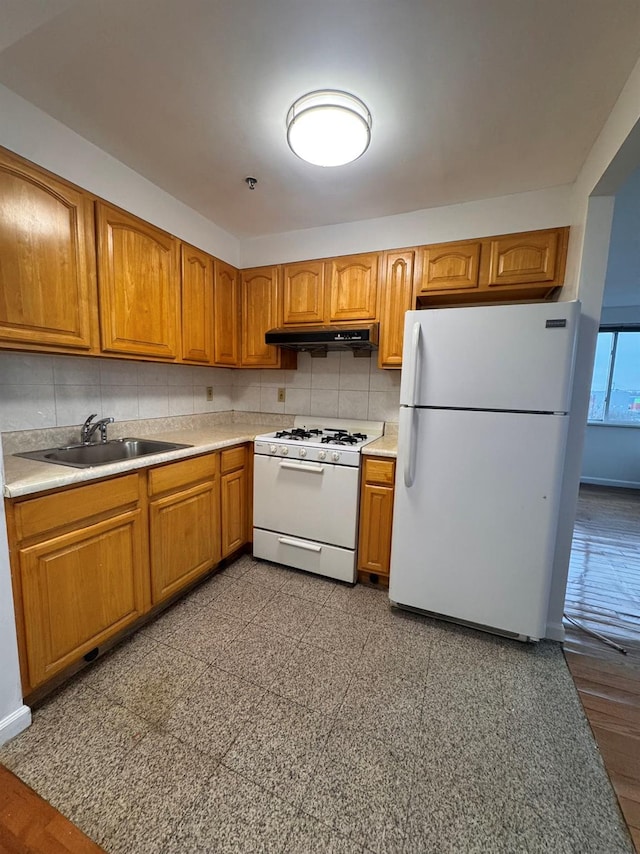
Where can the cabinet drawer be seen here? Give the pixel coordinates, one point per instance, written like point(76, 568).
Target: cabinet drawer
point(378, 470)
point(174, 475)
point(232, 459)
point(39, 515)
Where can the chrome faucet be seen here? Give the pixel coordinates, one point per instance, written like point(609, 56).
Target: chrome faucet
point(88, 429)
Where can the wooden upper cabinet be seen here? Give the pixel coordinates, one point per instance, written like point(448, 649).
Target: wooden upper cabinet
point(226, 316)
point(396, 299)
point(261, 311)
point(449, 266)
point(528, 258)
point(197, 305)
point(303, 293)
point(139, 286)
point(47, 261)
point(353, 287)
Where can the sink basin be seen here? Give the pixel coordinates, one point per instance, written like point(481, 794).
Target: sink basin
point(84, 456)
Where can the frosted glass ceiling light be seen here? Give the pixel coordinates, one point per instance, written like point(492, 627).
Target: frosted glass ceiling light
point(328, 127)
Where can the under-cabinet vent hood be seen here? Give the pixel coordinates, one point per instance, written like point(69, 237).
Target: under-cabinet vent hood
point(318, 340)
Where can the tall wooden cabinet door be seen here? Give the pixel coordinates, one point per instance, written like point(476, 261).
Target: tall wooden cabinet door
point(185, 537)
point(396, 299)
point(226, 316)
point(139, 286)
point(527, 258)
point(233, 498)
point(374, 550)
point(353, 287)
point(303, 293)
point(197, 305)
point(47, 260)
point(80, 588)
point(449, 266)
point(261, 311)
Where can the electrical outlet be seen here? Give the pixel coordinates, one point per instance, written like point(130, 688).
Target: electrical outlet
point(209, 392)
point(281, 395)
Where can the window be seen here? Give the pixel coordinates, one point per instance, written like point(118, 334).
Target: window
point(615, 386)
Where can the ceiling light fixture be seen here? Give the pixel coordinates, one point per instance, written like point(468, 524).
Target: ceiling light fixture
point(328, 127)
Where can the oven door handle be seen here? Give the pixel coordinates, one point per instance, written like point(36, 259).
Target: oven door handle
point(301, 467)
point(299, 544)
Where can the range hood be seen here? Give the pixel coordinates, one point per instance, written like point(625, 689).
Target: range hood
point(318, 340)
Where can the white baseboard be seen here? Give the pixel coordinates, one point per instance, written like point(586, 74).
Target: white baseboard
point(603, 481)
point(555, 631)
point(14, 723)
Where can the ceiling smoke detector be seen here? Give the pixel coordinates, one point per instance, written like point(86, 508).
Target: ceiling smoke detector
point(251, 182)
point(329, 127)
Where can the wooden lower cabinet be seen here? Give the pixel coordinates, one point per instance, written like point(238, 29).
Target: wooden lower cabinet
point(79, 578)
point(91, 560)
point(376, 518)
point(234, 496)
point(184, 523)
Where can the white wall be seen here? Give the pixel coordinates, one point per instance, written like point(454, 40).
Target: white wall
point(28, 131)
point(586, 271)
point(622, 285)
point(611, 456)
point(517, 212)
point(14, 717)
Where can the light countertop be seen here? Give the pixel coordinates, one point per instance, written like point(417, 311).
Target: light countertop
point(385, 446)
point(24, 477)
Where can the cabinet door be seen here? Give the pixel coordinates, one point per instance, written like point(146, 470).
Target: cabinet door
point(449, 266)
point(226, 316)
point(80, 588)
point(197, 305)
point(353, 287)
point(527, 258)
point(47, 261)
point(374, 549)
point(185, 537)
point(261, 311)
point(303, 293)
point(233, 499)
point(139, 286)
point(396, 299)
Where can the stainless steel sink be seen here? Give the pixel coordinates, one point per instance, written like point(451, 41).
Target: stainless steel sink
point(84, 456)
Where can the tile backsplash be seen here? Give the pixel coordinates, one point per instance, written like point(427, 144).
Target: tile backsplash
point(38, 390)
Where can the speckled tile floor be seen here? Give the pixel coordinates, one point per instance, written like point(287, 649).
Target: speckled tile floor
point(275, 711)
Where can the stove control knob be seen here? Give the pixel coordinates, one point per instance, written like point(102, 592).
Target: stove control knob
point(335, 456)
point(303, 452)
point(272, 449)
point(284, 450)
point(322, 455)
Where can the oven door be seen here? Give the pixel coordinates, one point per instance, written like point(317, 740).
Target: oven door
point(314, 501)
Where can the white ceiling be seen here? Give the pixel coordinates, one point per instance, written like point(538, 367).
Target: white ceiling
point(469, 99)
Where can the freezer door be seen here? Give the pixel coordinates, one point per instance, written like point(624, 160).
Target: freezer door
point(473, 536)
point(509, 357)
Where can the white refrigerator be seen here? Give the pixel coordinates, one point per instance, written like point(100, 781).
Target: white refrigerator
point(484, 402)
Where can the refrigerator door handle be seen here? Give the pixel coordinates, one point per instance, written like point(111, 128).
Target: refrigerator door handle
point(407, 442)
point(413, 363)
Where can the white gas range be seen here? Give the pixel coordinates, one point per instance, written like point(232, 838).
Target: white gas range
point(306, 487)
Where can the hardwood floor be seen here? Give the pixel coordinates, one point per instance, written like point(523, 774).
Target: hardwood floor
point(604, 593)
point(29, 825)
